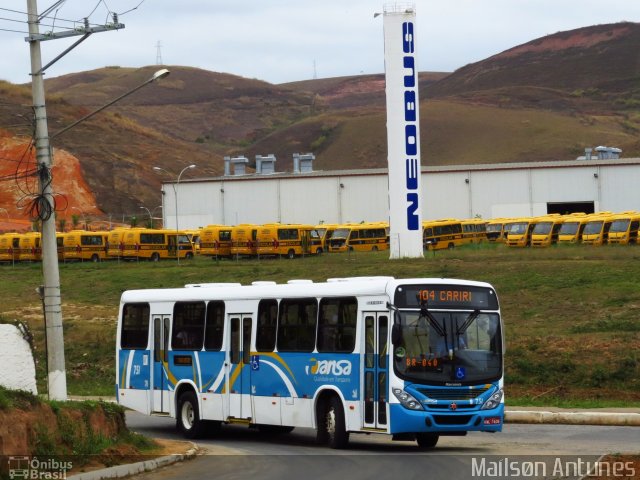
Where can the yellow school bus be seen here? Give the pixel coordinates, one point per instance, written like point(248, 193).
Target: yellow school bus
point(29, 247)
point(361, 237)
point(9, 245)
point(572, 227)
point(624, 228)
point(546, 230)
point(497, 229)
point(289, 239)
point(84, 245)
point(441, 234)
point(215, 241)
point(596, 230)
point(244, 240)
point(156, 244)
point(325, 230)
point(519, 234)
point(474, 230)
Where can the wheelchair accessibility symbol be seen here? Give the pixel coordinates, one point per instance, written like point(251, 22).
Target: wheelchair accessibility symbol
point(255, 362)
point(460, 373)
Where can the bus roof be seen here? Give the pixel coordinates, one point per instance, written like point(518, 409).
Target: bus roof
point(333, 287)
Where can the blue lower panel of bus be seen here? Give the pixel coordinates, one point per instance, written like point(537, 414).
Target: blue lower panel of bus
point(404, 420)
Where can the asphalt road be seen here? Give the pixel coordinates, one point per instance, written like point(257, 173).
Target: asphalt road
point(545, 451)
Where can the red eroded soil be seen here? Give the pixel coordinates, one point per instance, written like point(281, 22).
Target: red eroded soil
point(20, 184)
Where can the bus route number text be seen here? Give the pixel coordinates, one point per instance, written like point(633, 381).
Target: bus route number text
point(463, 296)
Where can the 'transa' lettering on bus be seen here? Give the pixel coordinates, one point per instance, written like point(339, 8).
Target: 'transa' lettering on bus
point(329, 367)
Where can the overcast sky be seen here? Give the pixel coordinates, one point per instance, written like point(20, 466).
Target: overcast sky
point(281, 40)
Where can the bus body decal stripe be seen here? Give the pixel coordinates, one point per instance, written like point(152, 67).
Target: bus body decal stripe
point(199, 371)
point(129, 363)
point(218, 381)
point(285, 379)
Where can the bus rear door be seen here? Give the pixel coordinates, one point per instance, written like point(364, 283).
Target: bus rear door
point(239, 369)
point(376, 370)
point(160, 388)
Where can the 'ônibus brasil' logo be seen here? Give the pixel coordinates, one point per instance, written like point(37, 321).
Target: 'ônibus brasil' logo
point(329, 367)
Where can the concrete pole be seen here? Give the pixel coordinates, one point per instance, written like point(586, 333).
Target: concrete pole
point(57, 377)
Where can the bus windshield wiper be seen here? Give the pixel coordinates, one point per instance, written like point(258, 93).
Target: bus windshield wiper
point(424, 313)
point(472, 316)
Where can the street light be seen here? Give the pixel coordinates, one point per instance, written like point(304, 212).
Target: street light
point(149, 212)
point(175, 197)
point(57, 377)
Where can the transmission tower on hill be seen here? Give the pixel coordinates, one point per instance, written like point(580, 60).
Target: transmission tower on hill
point(159, 53)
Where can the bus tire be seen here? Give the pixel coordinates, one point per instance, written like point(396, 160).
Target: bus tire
point(188, 256)
point(155, 257)
point(188, 416)
point(451, 246)
point(291, 254)
point(319, 251)
point(334, 424)
point(427, 440)
point(95, 258)
point(374, 248)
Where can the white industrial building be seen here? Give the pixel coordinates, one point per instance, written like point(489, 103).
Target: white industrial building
point(460, 191)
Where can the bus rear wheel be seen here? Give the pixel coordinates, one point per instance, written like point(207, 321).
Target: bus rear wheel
point(319, 251)
point(291, 254)
point(188, 416)
point(427, 440)
point(95, 258)
point(450, 246)
point(155, 257)
point(334, 424)
point(188, 256)
point(374, 248)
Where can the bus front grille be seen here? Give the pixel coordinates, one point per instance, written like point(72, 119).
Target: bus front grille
point(453, 393)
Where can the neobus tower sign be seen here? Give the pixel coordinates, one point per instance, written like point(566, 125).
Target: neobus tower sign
point(403, 132)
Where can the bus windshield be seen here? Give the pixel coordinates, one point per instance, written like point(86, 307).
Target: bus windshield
point(569, 228)
point(341, 233)
point(442, 350)
point(592, 227)
point(619, 226)
point(518, 228)
point(542, 228)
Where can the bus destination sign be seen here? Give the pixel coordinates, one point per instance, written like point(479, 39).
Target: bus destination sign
point(446, 296)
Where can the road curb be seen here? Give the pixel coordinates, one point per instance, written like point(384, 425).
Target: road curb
point(573, 418)
point(120, 471)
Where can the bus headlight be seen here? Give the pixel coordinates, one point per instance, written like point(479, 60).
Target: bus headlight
point(407, 400)
point(493, 402)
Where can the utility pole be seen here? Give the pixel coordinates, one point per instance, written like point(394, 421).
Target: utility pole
point(57, 376)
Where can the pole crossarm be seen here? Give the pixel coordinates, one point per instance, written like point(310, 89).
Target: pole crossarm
point(41, 37)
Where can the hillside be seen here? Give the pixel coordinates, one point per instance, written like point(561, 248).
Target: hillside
point(547, 99)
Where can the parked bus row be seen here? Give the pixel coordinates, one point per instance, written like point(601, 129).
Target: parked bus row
point(591, 229)
point(82, 245)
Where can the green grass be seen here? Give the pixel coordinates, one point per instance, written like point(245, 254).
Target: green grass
point(571, 313)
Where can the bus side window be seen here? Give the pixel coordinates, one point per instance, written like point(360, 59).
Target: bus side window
point(135, 326)
point(297, 325)
point(214, 328)
point(188, 326)
point(337, 325)
point(267, 325)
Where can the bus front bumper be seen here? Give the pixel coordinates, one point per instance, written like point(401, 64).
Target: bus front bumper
point(404, 420)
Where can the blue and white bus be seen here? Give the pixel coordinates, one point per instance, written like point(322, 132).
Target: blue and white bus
point(413, 358)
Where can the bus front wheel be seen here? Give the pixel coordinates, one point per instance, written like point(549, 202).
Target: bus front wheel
point(188, 417)
point(291, 254)
point(155, 257)
point(334, 423)
point(95, 258)
point(427, 440)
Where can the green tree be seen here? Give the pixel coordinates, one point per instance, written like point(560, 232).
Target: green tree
point(75, 221)
point(62, 223)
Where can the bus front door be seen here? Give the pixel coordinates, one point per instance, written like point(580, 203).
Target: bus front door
point(376, 368)
point(238, 380)
point(160, 382)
